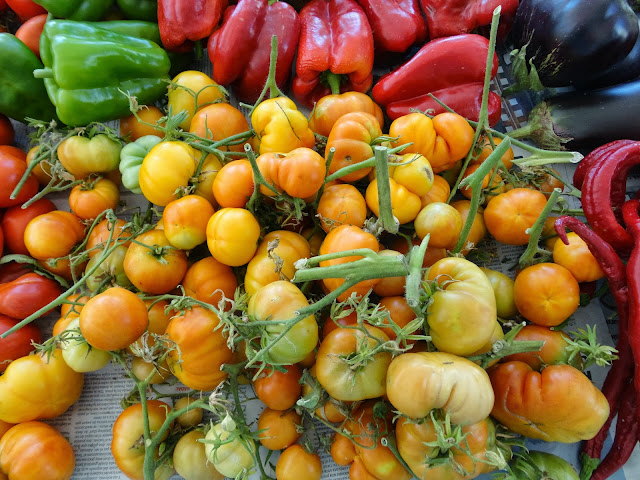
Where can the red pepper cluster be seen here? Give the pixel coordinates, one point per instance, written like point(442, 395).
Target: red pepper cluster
point(335, 42)
point(615, 232)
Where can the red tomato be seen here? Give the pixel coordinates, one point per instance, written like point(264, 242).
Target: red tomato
point(18, 344)
point(278, 390)
point(7, 132)
point(25, 9)
point(27, 294)
point(13, 168)
point(15, 221)
point(30, 31)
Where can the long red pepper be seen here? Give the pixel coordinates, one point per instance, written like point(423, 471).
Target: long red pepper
point(621, 369)
point(631, 218)
point(600, 199)
point(594, 157)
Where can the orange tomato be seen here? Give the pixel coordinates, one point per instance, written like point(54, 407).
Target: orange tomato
point(132, 127)
point(341, 204)
point(90, 199)
point(279, 429)
point(296, 463)
point(442, 222)
point(219, 121)
point(577, 258)
point(29, 32)
point(278, 390)
point(509, 215)
point(233, 185)
point(208, 280)
point(185, 221)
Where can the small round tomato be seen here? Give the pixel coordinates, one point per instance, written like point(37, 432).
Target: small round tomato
point(19, 343)
point(185, 221)
point(442, 222)
point(190, 90)
point(53, 234)
point(341, 204)
point(114, 319)
point(503, 290)
point(389, 286)
point(553, 352)
point(78, 354)
point(233, 185)
point(343, 451)
point(15, 220)
point(131, 127)
point(190, 458)
point(208, 280)
point(232, 236)
point(546, 294)
point(149, 371)
point(219, 121)
point(36, 450)
point(577, 258)
point(191, 417)
point(13, 167)
point(29, 32)
point(295, 463)
point(485, 149)
point(108, 271)
point(7, 133)
point(25, 9)
point(510, 215)
point(278, 390)
point(400, 313)
point(478, 228)
point(102, 233)
point(90, 199)
point(227, 450)
point(126, 446)
point(153, 265)
point(439, 192)
point(279, 429)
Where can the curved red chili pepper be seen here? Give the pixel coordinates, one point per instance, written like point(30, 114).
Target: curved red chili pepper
point(600, 199)
point(596, 156)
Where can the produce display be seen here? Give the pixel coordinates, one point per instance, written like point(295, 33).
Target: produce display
point(328, 257)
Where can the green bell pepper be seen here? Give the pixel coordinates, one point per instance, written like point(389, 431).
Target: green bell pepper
point(139, 9)
point(88, 69)
point(131, 157)
point(22, 95)
point(86, 10)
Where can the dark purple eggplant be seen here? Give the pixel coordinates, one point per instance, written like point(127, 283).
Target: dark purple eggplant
point(570, 41)
point(581, 120)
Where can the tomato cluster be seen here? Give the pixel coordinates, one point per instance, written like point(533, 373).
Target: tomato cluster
point(333, 267)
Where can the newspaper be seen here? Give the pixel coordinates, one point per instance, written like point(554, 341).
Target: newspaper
point(88, 423)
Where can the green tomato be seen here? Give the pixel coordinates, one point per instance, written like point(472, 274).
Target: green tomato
point(81, 156)
point(110, 271)
point(131, 158)
point(230, 453)
point(503, 289)
point(78, 354)
point(548, 465)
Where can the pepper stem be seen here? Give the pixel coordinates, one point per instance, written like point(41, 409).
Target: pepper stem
point(271, 86)
point(43, 73)
point(540, 129)
point(333, 80)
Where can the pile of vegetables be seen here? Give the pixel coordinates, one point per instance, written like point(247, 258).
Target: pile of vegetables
point(325, 254)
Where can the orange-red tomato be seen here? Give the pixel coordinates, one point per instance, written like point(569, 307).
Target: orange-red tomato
point(15, 220)
point(99, 235)
point(509, 215)
point(478, 228)
point(485, 149)
point(296, 463)
point(90, 199)
point(114, 319)
point(208, 279)
point(399, 311)
point(53, 234)
point(7, 133)
point(553, 352)
point(132, 128)
point(279, 390)
point(299, 173)
point(29, 32)
point(279, 429)
point(439, 192)
point(546, 294)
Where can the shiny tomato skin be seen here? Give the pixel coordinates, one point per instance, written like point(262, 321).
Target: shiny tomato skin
point(27, 294)
point(280, 428)
point(232, 236)
point(19, 343)
point(278, 390)
point(296, 463)
point(53, 234)
point(13, 168)
point(15, 220)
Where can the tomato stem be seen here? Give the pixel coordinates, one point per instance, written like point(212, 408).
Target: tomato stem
point(369, 162)
point(533, 253)
point(386, 218)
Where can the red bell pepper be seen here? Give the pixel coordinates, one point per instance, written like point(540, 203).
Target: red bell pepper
point(453, 17)
point(335, 53)
point(240, 49)
point(184, 21)
point(452, 69)
point(396, 24)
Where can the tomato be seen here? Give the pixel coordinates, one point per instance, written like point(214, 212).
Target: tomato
point(113, 319)
point(204, 182)
point(577, 258)
point(25, 9)
point(509, 215)
point(405, 205)
point(330, 108)
point(462, 314)
point(78, 354)
point(81, 156)
point(419, 382)
point(219, 121)
point(185, 221)
point(485, 149)
point(132, 129)
point(13, 168)
point(280, 126)
point(546, 182)
point(208, 280)
point(4, 428)
point(299, 173)
point(478, 228)
point(559, 404)
point(340, 239)
point(546, 294)
point(389, 286)
point(38, 387)
point(229, 452)
point(503, 287)
point(233, 185)
point(15, 220)
point(29, 32)
point(352, 137)
point(275, 259)
point(441, 222)
point(417, 445)
point(338, 378)
point(201, 349)
point(431, 256)
point(126, 446)
point(7, 133)
point(153, 265)
point(99, 235)
point(143, 370)
point(166, 169)
point(53, 234)
point(190, 90)
point(278, 390)
point(279, 429)
point(277, 302)
point(343, 451)
point(553, 466)
point(190, 459)
point(191, 418)
point(109, 271)
point(73, 304)
point(439, 192)
point(27, 294)
point(341, 204)
point(232, 236)
point(36, 450)
point(553, 352)
point(295, 463)
point(19, 343)
point(91, 198)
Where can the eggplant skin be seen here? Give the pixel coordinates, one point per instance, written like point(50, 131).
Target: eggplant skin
point(574, 39)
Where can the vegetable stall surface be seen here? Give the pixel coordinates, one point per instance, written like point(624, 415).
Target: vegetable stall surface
point(256, 291)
